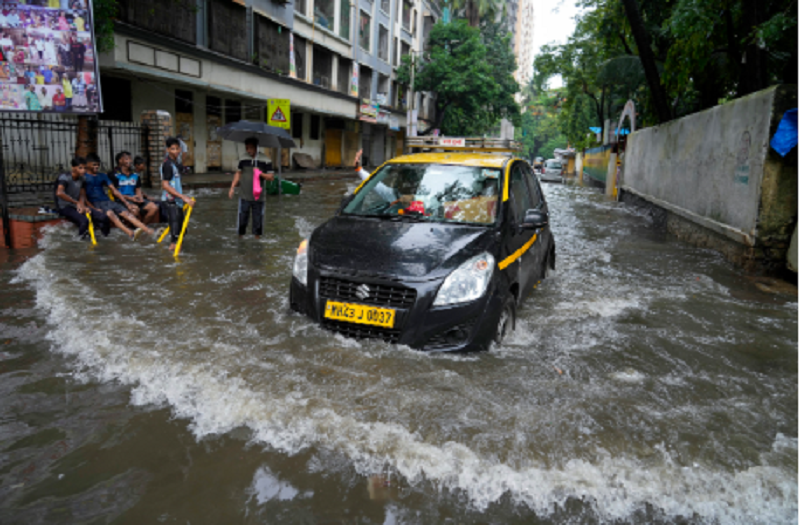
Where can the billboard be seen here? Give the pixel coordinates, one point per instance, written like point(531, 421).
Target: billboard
point(48, 59)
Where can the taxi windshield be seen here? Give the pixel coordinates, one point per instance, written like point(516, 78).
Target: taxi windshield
point(430, 192)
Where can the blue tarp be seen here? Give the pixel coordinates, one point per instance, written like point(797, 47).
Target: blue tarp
point(785, 138)
point(596, 130)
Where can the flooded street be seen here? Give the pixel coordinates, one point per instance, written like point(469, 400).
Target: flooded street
point(648, 381)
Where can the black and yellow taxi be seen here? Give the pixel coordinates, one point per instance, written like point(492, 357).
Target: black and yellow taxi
point(435, 250)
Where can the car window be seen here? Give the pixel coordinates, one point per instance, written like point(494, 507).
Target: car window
point(554, 165)
point(536, 191)
point(520, 195)
point(431, 193)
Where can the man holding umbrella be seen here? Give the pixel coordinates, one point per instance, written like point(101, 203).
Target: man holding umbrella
point(254, 171)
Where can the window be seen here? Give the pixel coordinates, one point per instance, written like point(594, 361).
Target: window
point(313, 133)
point(406, 6)
point(253, 112)
point(385, 6)
point(345, 70)
point(383, 90)
point(323, 13)
point(213, 106)
point(228, 33)
point(365, 83)
point(383, 43)
point(323, 67)
point(176, 19)
point(233, 111)
point(405, 49)
point(271, 46)
point(536, 190)
point(396, 52)
point(521, 200)
point(297, 125)
point(363, 31)
point(414, 23)
point(300, 6)
point(300, 56)
point(344, 19)
point(184, 101)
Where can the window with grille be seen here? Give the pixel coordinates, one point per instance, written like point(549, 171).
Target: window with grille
point(407, 15)
point(323, 13)
point(271, 46)
point(383, 43)
point(383, 90)
point(323, 67)
point(365, 83)
point(385, 6)
point(344, 19)
point(364, 28)
point(176, 19)
point(300, 6)
point(300, 56)
point(345, 70)
point(228, 32)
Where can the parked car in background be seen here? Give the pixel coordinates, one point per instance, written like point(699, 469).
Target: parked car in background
point(553, 171)
point(538, 164)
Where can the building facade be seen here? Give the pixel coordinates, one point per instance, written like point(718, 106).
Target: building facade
point(523, 42)
point(212, 62)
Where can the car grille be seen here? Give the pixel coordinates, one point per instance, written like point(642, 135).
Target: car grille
point(379, 294)
point(362, 331)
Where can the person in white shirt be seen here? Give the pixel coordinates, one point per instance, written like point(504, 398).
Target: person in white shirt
point(45, 99)
point(386, 193)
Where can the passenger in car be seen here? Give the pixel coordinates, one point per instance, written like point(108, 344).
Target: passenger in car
point(387, 193)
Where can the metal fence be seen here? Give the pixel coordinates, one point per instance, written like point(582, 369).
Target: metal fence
point(36, 148)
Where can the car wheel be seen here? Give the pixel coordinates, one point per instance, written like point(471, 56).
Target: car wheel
point(507, 320)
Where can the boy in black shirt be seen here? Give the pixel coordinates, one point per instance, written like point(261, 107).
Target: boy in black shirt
point(71, 200)
point(254, 170)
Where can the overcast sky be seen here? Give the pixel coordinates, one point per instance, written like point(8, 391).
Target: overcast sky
point(553, 22)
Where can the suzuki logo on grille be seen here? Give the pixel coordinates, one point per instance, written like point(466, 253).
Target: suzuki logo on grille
point(362, 292)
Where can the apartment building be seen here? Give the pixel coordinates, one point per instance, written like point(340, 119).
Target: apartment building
point(523, 43)
point(211, 62)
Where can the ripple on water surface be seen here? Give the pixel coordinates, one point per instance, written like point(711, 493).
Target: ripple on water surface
point(635, 378)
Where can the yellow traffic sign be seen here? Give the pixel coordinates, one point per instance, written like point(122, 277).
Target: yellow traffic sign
point(279, 112)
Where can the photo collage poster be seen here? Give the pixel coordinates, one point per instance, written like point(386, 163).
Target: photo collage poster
point(48, 60)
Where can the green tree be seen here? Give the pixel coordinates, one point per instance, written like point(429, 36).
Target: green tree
point(469, 71)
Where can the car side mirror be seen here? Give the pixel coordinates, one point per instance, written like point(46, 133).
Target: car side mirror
point(535, 219)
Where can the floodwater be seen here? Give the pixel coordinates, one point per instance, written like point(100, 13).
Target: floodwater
point(648, 381)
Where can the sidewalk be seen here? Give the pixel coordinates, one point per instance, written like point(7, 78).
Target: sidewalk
point(223, 180)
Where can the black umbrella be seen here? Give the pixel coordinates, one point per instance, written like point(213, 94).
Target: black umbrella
point(268, 137)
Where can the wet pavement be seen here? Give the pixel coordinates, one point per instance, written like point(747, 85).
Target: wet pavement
point(648, 381)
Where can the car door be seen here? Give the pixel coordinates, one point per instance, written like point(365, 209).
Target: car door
point(519, 240)
point(538, 252)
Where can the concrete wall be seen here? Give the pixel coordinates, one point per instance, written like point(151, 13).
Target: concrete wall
point(715, 169)
point(595, 163)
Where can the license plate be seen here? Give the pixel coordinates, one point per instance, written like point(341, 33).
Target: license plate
point(360, 314)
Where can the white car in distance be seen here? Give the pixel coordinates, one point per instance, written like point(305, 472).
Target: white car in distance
point(552, 172)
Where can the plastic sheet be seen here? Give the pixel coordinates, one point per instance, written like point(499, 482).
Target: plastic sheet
point(785, 138)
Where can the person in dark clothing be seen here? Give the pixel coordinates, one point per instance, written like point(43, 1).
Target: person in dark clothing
point(254, 170)
point(171, 196)
point(78, 52)
point(71, 200)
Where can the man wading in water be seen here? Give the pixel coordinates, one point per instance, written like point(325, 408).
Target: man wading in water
point(254, 169)
point(171, 195)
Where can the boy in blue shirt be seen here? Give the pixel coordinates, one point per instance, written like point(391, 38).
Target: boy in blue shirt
point(129, 184)
point(97, 186)
point(70, 200)
point(171, 196)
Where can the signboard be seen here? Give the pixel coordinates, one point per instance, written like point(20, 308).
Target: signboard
point(278, 112)
point(354, 81)
point(369, 111)
point(48, 58)
point(453, 143)
point(394, 123)
point(383, 117)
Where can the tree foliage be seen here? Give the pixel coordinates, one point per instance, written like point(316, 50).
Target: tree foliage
point(705, 52)
point(104, 12)
point(469, 71)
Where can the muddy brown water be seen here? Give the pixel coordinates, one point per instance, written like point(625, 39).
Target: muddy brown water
point(648, 381)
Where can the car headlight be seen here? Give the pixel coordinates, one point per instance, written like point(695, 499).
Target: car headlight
point(468, 282)
point(300, 269)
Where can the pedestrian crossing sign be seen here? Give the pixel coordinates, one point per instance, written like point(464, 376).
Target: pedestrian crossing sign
point(279, 112)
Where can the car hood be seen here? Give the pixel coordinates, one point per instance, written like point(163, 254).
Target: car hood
point(416, 251)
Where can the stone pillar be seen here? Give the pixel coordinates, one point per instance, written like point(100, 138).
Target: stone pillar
point(159, 128)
